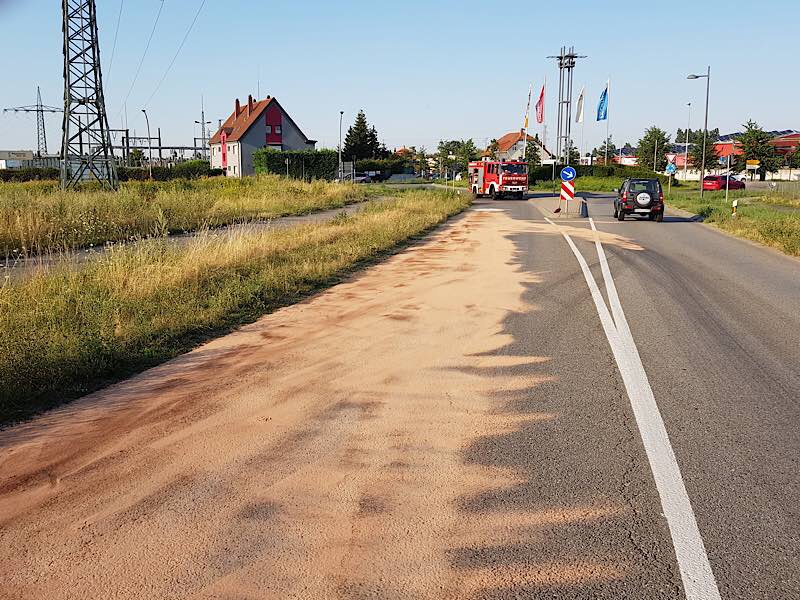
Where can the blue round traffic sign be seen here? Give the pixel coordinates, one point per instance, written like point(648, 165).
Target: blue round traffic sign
point(671, 169)
point(568, 174)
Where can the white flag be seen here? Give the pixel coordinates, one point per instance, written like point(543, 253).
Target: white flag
point(579, 109)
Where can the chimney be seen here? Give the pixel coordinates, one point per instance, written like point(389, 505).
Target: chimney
point(238, 109)
point(249, 104)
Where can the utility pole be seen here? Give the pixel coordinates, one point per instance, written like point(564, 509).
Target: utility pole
point(149, 144)
point(566, 64)
point(86, 146)
point(39, 109)
point(341, 165)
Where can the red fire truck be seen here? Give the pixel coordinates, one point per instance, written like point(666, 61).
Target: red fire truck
point(498, 178)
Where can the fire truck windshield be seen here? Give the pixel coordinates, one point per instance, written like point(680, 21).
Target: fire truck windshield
point(515, 169)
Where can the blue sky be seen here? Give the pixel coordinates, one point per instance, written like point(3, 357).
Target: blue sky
point(422, 70)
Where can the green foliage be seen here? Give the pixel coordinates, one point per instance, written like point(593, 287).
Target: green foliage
point(532, 154)
point(362, 142)
point(600, 152)
point(29, 174)
point(463, 150)
point(493, 148)
point(614, 174)
point(386, 166)
point(696, 153)
point(695, 135)
point(652, 146)
point(755, 146)
point(311, 164)
point(757, 219)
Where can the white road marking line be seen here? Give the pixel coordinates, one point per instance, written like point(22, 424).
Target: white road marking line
point(696, 574)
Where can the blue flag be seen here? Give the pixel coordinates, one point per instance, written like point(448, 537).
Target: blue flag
point(602, 106)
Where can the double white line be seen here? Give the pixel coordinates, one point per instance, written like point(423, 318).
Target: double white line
point(698, 579)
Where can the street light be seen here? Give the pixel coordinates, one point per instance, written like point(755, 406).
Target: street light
point(149, 145)
point(341, 166)
point(705, 127)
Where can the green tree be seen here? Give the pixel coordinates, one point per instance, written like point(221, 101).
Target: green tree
point(652, 146)
point(793, 158)
point(755, 146)
point(696, 153)
point(462, 152)
point(421, 160)
point(532, 155)
point(361, 141)
point(493, 148)
point(600, 153)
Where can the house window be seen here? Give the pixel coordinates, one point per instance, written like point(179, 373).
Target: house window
point(278, 129)
point(269, 129)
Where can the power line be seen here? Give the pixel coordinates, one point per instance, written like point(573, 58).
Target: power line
point(144, 54)
point(114, 46)
point(174, 58)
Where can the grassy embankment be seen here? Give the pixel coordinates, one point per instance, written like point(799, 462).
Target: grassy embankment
point(37, 217)
point(761, 217)
point(71, 329)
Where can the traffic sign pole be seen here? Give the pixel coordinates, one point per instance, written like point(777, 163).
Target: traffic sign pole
point(568, 175)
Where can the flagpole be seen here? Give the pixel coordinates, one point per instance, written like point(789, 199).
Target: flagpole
point(525, 129)
point(608, 118)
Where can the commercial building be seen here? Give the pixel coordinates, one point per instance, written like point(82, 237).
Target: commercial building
point(257, 124)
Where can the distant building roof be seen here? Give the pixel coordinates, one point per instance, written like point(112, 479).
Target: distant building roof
point(775, 133)
point(506, 142)
point(245, 116)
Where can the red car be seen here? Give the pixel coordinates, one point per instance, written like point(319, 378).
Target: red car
point(717, 182)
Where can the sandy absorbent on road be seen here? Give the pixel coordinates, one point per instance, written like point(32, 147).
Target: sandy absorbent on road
point(317, 453)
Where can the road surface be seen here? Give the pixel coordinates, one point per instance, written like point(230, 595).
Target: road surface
point(480, 416)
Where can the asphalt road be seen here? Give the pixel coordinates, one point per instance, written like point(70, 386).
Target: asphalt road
point(469, 419)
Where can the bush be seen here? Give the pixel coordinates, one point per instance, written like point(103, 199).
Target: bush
point(386, 166)
point(192, 169)
point(545, 173)
point(29, 174)
point(303, 164)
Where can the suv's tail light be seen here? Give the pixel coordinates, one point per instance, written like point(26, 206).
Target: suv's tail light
point(625, 196)
point(661, 195)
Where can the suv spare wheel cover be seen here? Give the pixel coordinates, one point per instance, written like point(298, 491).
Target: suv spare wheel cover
point(643, 199)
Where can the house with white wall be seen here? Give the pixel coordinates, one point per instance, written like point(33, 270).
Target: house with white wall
point(257, 124)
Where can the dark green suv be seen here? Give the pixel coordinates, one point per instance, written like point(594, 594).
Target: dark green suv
point(643, 197)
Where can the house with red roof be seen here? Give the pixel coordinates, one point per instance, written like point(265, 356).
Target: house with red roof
point(257, 124)
point(511, 146)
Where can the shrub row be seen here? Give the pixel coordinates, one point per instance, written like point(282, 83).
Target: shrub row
point(29, 174)
point(191, 169)
point(302, 164)
point(545, 172)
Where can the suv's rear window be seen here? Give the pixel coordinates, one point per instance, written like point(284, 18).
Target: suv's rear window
point(644, 185)
point(711, 178)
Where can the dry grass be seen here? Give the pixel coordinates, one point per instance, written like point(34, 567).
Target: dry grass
point(68, 330)
point(37, 217)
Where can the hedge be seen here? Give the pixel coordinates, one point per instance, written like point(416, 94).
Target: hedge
point(386, 166)
point(545, 172)
point(303, 164)
point(186, 170)
point(29, 174)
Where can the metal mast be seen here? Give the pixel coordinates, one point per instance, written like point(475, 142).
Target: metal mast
point(566, 63)
point(39, 109)
point(86, 146)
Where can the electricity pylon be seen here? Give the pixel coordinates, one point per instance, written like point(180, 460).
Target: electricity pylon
point(39, 109)
point(86, 146)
